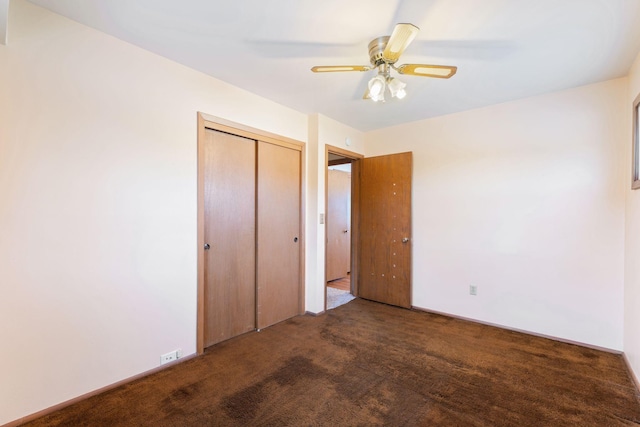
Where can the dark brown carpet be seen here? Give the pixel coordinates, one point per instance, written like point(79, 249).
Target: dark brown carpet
point(370, 364)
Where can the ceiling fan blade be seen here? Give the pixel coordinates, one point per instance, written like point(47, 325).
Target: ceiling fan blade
point(437, 71)
point(402, 36)
point(334, 68)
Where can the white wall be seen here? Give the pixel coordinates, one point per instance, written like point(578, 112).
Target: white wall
point(632, 242)
point(526, 200)
point(323, 131)
point(98, 212)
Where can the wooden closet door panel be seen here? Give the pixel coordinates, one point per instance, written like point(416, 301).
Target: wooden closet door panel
point(229, 229)
point(278, 270)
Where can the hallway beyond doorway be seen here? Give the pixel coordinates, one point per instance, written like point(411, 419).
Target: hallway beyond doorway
point(339, 292)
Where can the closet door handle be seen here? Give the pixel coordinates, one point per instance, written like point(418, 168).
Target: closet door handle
point(207, 246)
point(295, 240)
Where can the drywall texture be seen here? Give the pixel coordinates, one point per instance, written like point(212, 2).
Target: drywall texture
point(98, 213)
point(632, 242)
point(323, 131)
point(526, 201)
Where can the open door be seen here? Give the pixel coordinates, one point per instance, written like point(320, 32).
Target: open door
point(384, 235)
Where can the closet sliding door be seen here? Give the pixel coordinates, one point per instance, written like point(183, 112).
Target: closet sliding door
point(249, 230)
point(279, 245)
point(229, 235)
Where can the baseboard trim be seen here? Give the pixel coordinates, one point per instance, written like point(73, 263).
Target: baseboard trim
point(522, 331)
point(632, 374)
point(85, 396)
point(311, 313)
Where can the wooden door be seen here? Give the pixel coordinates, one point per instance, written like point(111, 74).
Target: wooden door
point(337, 223)
point(278, 272)
point(384, 235)
point(229, 230)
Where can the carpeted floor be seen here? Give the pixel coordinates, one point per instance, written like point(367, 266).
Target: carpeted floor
point(368, 364)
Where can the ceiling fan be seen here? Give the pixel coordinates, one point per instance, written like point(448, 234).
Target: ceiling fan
point(384, 52)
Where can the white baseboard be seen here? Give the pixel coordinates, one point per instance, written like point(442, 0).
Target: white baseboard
point(522, 331)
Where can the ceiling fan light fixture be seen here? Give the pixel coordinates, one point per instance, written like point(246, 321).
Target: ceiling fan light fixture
point(384, 52)
point(376, 88)
point(378, 98)
point(396, 87)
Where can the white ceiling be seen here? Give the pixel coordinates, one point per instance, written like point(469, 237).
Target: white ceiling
point(504, 49)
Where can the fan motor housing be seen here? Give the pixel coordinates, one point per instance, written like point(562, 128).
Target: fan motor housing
point(376, 48)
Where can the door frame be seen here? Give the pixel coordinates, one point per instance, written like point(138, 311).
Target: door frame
point(207, 121)
point(355, 211)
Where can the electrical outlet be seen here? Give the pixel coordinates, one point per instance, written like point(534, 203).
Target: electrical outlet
point(170, 357)
point(473, 290)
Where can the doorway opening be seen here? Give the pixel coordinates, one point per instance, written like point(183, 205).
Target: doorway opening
point(340, 229)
